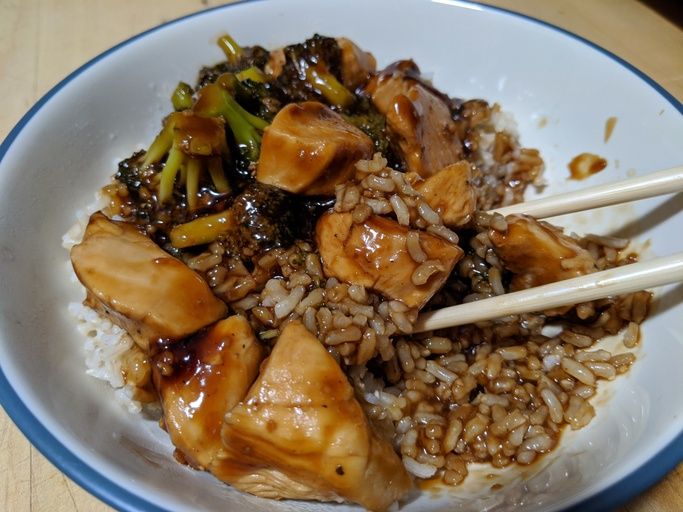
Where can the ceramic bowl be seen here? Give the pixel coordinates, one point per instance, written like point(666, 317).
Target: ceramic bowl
point(561, 90)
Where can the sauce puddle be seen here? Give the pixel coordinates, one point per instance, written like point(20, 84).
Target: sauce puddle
point(609, 127)
point(585, 165)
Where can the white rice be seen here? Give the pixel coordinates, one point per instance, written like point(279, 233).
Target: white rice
point(418, 469)
point(75, 233)
point(104, 342)
point(104, 346)
point(504, 122)
point(500, 122)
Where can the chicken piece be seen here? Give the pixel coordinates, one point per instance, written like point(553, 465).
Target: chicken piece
point(276, 62)
point(373, 254)
point(418, 117)
point(396, 79)
point(450, 193)
point(202, 378)
point(538, 253)
point(140, 287)
point(356, 65)
point(308, 149)
point(427, 136)
point(300, 433)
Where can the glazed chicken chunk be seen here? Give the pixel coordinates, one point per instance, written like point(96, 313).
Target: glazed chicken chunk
point(419, 119)
point(374, 254)
point(140, 287)
point(308, 149)
point(538, 253)
point(300, 433)
point(356, 65)
point(202, 378)
point(450, 193)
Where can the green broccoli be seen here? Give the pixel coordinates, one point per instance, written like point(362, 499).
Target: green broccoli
point(191, 143)
point(313, 69)
point(215, 100)
point(238, 58)
point(182, 97)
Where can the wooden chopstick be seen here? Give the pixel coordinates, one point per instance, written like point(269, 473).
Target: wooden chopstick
point(615, 281)
point(650, 185)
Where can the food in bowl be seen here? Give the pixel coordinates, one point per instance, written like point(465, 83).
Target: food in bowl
point(258, 270)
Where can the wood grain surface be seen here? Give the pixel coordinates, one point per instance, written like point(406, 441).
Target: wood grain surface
point(41, 41)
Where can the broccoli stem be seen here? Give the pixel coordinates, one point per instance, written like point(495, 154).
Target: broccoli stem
point(161, 145)
point(192, 184)
point(183, 173)
point(227, 83)
point(168, 174)
point(253, 73)
point(214, 100)
point(245, 133)
point(326, 84)
point(202, 230)
point(182, 97)
point(217, 176)
point(253, 120)
point(232, 50)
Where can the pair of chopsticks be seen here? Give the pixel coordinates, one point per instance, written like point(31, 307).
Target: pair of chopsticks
point(615, 281)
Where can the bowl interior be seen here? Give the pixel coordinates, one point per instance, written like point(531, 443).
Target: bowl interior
point(71, 145)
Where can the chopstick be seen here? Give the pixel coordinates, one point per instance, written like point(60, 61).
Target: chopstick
point(651, 185)
point(616, 281)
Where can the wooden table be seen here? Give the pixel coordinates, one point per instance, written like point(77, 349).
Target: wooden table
point(41, 41)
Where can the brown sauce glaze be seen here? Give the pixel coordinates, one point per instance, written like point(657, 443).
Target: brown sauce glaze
point(609, 127)
point(200, 379)
point(585, 165)
point(199, 136)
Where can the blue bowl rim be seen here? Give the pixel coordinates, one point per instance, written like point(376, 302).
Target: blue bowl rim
point(120, 498)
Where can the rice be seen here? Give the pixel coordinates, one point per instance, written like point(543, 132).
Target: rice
point(105, 346)
point(419, 470)
point(498, 392)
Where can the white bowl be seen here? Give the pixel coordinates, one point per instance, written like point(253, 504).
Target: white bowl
point(68, 144)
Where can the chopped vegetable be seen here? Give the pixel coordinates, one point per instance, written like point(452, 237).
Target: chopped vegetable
point(259, 217)
point(182, 97)
point(312, 70)
point(232, 50)
point(192, 143)
point(253, 73)
point(216, 101)
point(202, 230)
point(374, 125)
point(326, 84)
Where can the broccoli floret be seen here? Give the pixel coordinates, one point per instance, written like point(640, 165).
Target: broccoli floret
point(263, 99)
point(317, 50)
point(191, 144)
point(374, 125)
point(261, 217)
point(215, 100)
point(312, 70)
point(137, 180)
point(370, 121)
point(265, 216)
point(238, 59)
point(130, 172)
